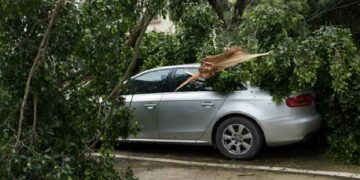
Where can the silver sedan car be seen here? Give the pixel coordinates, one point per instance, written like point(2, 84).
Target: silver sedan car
point(239, 124)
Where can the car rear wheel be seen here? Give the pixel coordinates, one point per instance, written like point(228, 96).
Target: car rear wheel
point(239, 138)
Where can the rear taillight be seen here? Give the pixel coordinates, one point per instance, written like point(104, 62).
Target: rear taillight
point(300, 101)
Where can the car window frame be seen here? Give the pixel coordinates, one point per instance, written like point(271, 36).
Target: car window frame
point(152, 71)
point(168, 82)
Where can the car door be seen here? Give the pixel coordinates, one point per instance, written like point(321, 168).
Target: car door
point(186, 113)
point(146, 92)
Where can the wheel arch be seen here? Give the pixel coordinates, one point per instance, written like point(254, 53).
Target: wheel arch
point(223, 118)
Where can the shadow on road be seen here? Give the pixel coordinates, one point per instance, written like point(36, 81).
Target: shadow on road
point(308, 155)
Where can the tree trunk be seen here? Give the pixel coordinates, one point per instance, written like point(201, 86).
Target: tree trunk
point(238, 12)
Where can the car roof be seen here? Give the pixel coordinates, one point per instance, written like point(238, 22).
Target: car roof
point(196, 65)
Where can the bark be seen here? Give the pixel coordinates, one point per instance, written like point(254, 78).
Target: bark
point(238, 12)
point(37, 61)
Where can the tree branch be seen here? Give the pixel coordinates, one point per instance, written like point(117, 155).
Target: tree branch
point(72, 81)
point(142, 26)
point(36, 63)
point(238, 12)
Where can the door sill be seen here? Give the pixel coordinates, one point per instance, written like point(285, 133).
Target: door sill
point(165, 141)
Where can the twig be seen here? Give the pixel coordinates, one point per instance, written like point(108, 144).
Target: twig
point(37, 60)
point(214, 39)
point(331, 9)
point(73, 84)
point(33, 135)
point(35, 114)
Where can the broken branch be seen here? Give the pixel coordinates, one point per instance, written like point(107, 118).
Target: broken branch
point(213, 64)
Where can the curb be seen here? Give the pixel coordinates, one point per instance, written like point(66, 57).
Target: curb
point(239, 166)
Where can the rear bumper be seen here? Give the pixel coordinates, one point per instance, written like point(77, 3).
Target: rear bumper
point(290, 130)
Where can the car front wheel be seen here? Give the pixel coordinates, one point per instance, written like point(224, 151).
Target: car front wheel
point(239, 138)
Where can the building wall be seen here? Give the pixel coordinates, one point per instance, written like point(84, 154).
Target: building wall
point(160, 24)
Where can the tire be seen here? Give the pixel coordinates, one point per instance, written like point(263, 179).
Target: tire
point(234, 145)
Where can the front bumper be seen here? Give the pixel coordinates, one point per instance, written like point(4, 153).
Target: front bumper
point(290, 130)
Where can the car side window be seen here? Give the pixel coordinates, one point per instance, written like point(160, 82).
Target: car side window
point(182, 74)
point(151, 82)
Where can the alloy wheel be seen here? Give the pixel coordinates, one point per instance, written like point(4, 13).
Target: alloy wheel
point(237, 139)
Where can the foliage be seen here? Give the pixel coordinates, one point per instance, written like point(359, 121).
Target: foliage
point(84, 60)
point(226, 81)
point(160, 49)
point(177, 8)
point(193, 30)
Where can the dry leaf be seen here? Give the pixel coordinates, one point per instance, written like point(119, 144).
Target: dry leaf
point(213, 64)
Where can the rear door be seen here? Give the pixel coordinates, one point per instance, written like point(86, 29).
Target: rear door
point(186, 114)
point(146, 92)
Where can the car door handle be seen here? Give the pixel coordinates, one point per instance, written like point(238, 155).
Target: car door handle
point(150, 106)
point(207, 104)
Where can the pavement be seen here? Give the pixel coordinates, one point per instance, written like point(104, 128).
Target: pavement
point(163, 171)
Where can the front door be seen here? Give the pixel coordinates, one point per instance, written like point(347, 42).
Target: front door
point(145, 101)
point(186, 114)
